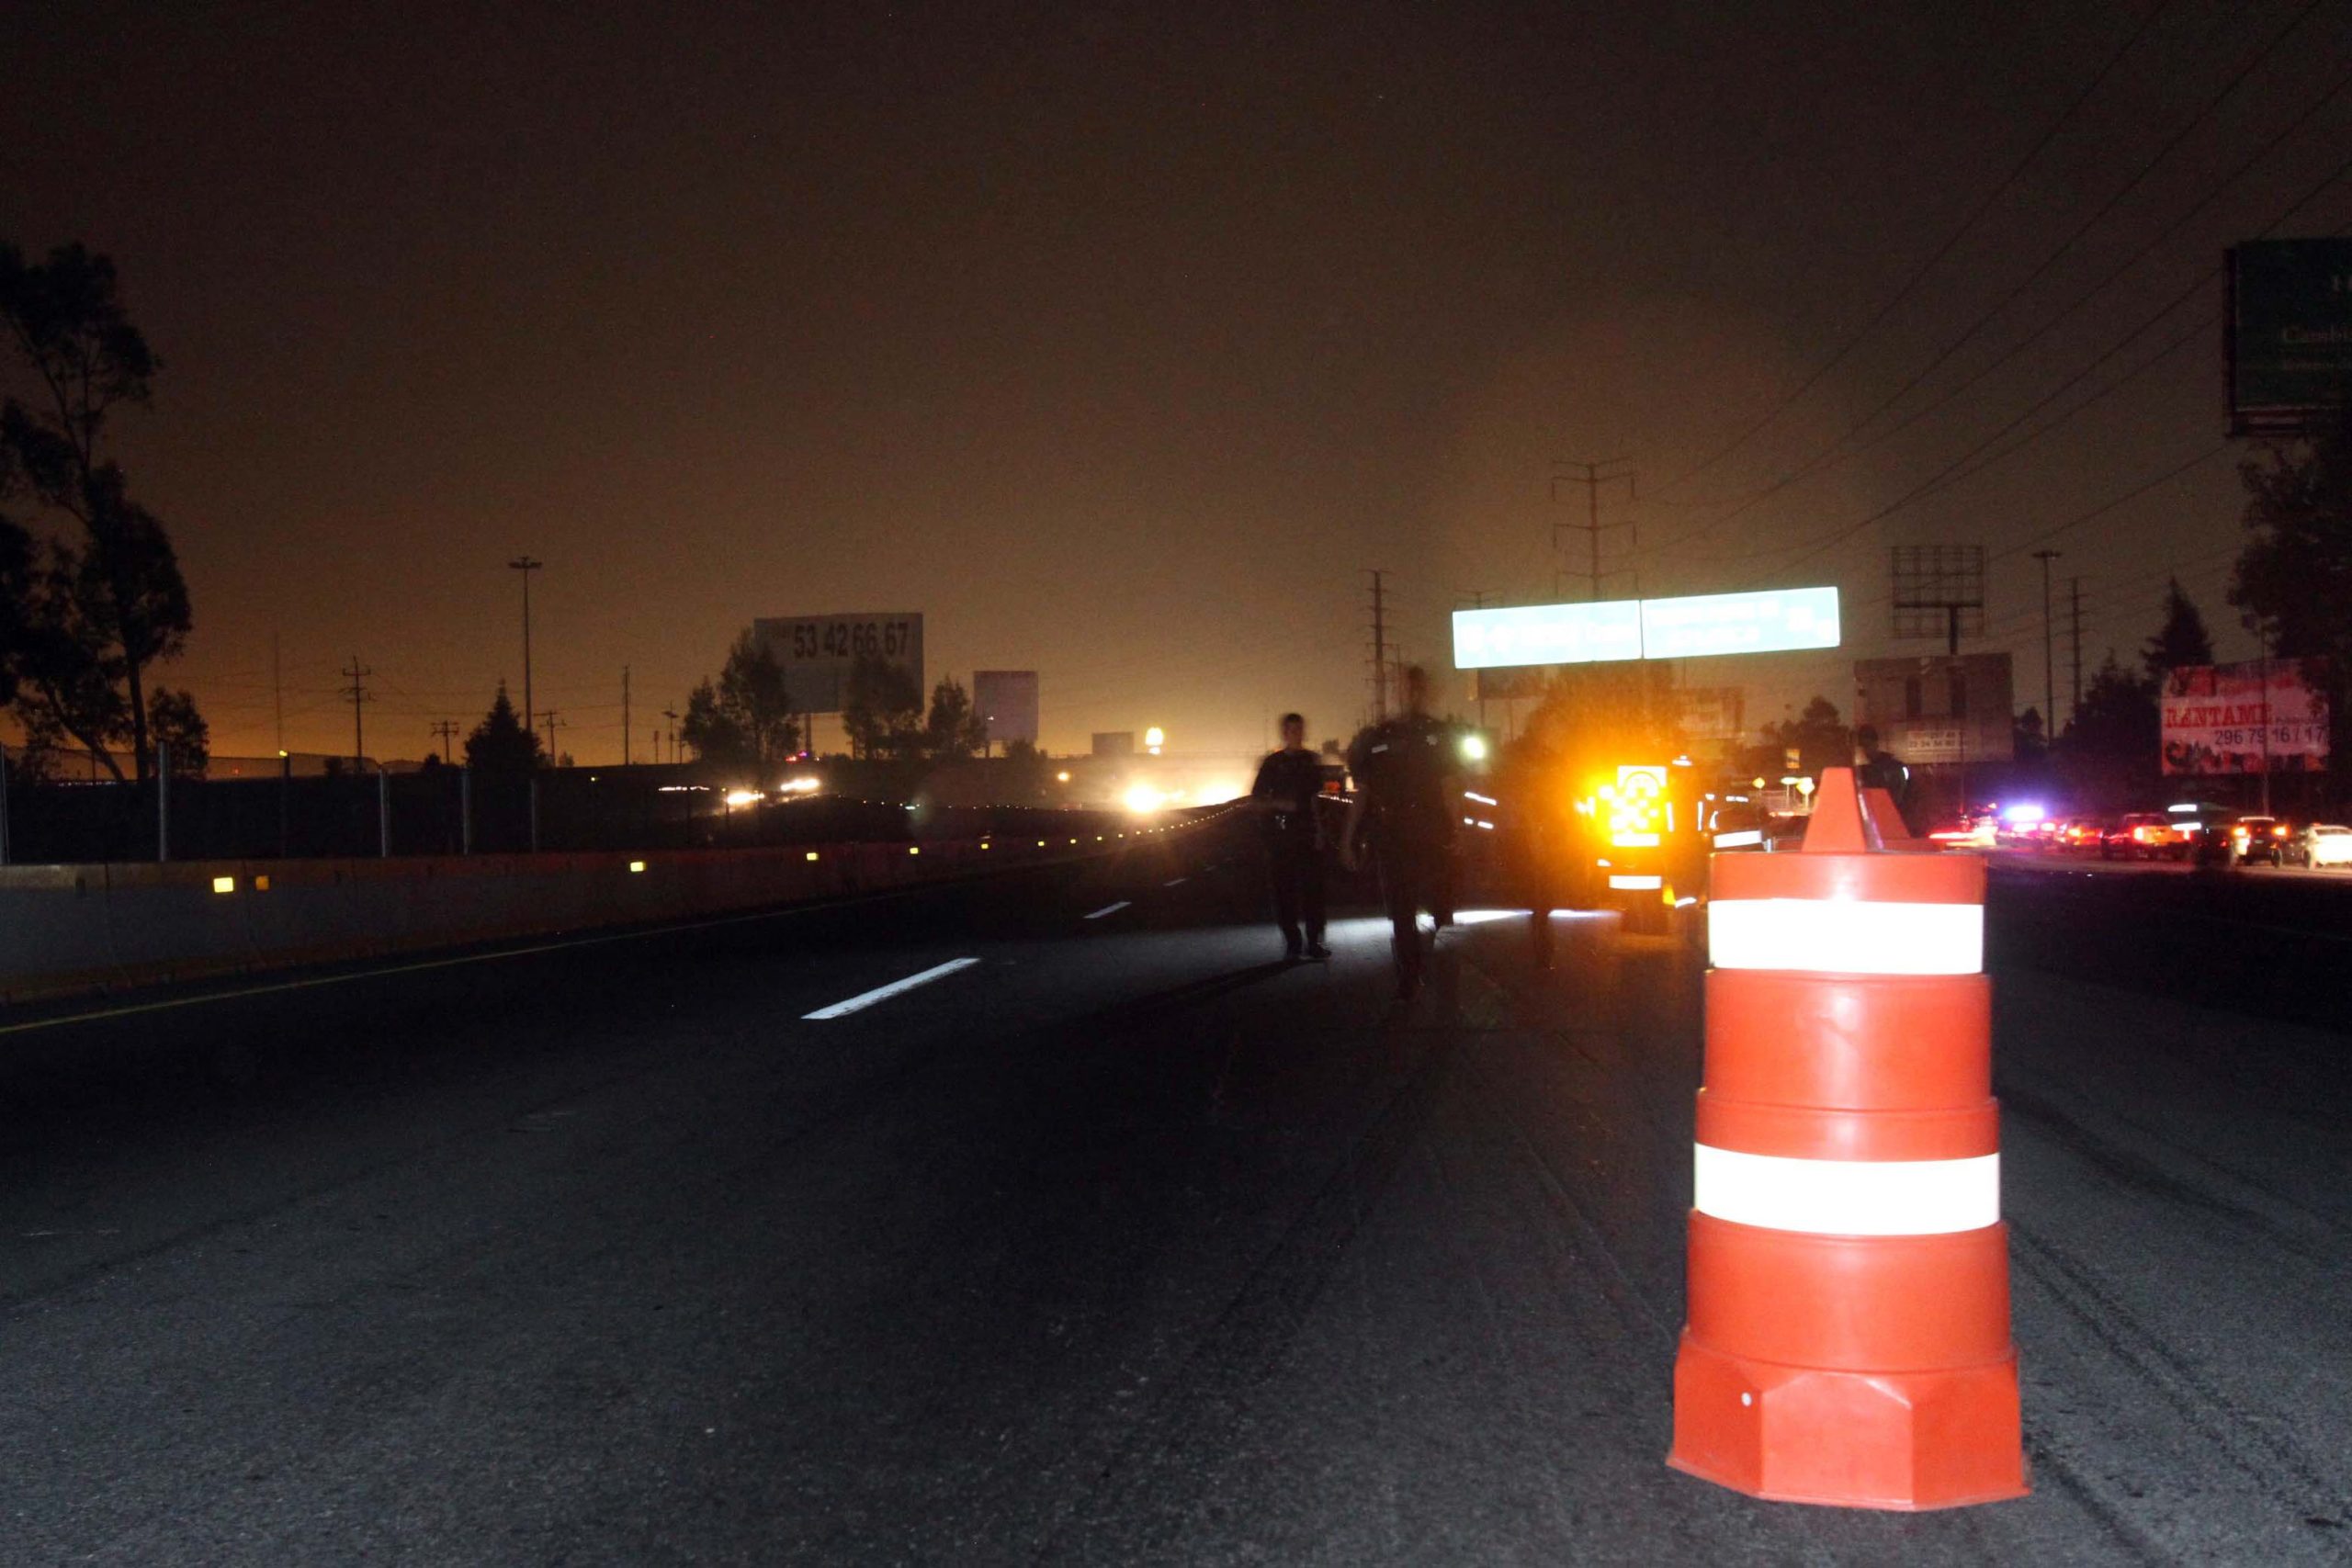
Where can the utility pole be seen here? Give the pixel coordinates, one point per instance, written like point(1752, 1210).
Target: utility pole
point(277, 693)
point(1593, 476)
point(552, 722)
point(2048, 676)
point(2263, 631)
point(1379, 645)
point(526, 566)
point(2074, 594)
point(358, 695)
point(671, 714)
point(624, 716)
point(446, 732)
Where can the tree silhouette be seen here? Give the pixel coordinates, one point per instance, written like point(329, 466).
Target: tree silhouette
point(743, 720)
point(952, 730)
point(2181, 640)
point(105, 601)
point(2293, 582)
point(499, 744)
point(716, 734)
point(1820, 737)
point(173, 718)
point(2109, 751)
point(881, 708)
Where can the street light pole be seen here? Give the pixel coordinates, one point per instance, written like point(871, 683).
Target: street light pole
point(526, 566)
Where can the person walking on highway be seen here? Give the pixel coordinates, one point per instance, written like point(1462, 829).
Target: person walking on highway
point(1403, 806)
point(1283, 795)
point(1883, 770)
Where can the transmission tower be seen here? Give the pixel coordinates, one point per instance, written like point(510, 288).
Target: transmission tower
point(1592, 477)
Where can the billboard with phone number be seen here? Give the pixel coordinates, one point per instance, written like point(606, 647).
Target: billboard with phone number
point(816, 651)
point(2243, 718)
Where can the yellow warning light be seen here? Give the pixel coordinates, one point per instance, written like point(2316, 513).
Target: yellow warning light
point(224, 884)
point(812, 855)
point(636, 866)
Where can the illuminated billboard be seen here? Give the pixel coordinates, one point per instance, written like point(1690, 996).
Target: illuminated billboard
point(1775, 620)
point(2259, 716)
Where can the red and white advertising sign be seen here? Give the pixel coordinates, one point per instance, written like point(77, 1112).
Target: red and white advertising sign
point(2216, 717)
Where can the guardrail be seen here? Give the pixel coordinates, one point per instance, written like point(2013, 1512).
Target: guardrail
point(72, 928)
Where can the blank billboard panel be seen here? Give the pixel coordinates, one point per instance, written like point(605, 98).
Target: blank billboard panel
point(1006, 701)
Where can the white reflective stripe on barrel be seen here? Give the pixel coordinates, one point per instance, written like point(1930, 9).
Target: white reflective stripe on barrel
point(1847, 1197)
point(1839, 936)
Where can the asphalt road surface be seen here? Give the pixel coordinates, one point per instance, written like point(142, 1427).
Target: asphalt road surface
point(1121, 1243)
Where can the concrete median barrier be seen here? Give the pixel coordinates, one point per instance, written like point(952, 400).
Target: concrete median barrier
point(72, 928)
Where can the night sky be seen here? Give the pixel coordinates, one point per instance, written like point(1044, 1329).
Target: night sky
point(1119, 341)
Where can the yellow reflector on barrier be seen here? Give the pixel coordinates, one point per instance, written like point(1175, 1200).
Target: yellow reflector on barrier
point(224, 884)
point(636, 866)
point(812, 855)
point(913, 850)
point(260, 884)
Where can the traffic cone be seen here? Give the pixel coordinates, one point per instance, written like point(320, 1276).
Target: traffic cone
point(1847, 1340)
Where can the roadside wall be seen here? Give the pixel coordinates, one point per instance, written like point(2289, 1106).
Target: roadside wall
point(68, 929)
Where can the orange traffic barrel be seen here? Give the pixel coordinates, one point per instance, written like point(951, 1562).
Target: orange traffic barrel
point(1847, 1340)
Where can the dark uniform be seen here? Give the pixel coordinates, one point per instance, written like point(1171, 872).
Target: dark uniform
point(1883, 770)
point(1287, 785)
point(1400, 767)
point(1552, 854)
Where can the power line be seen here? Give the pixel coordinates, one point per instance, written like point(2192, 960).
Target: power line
point(1920, 275)
point(1837, 449)
point(1832, 455)
point(1932, 481)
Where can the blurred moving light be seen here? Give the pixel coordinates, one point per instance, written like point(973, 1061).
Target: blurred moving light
point(744, 797)
point(1143, 798)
